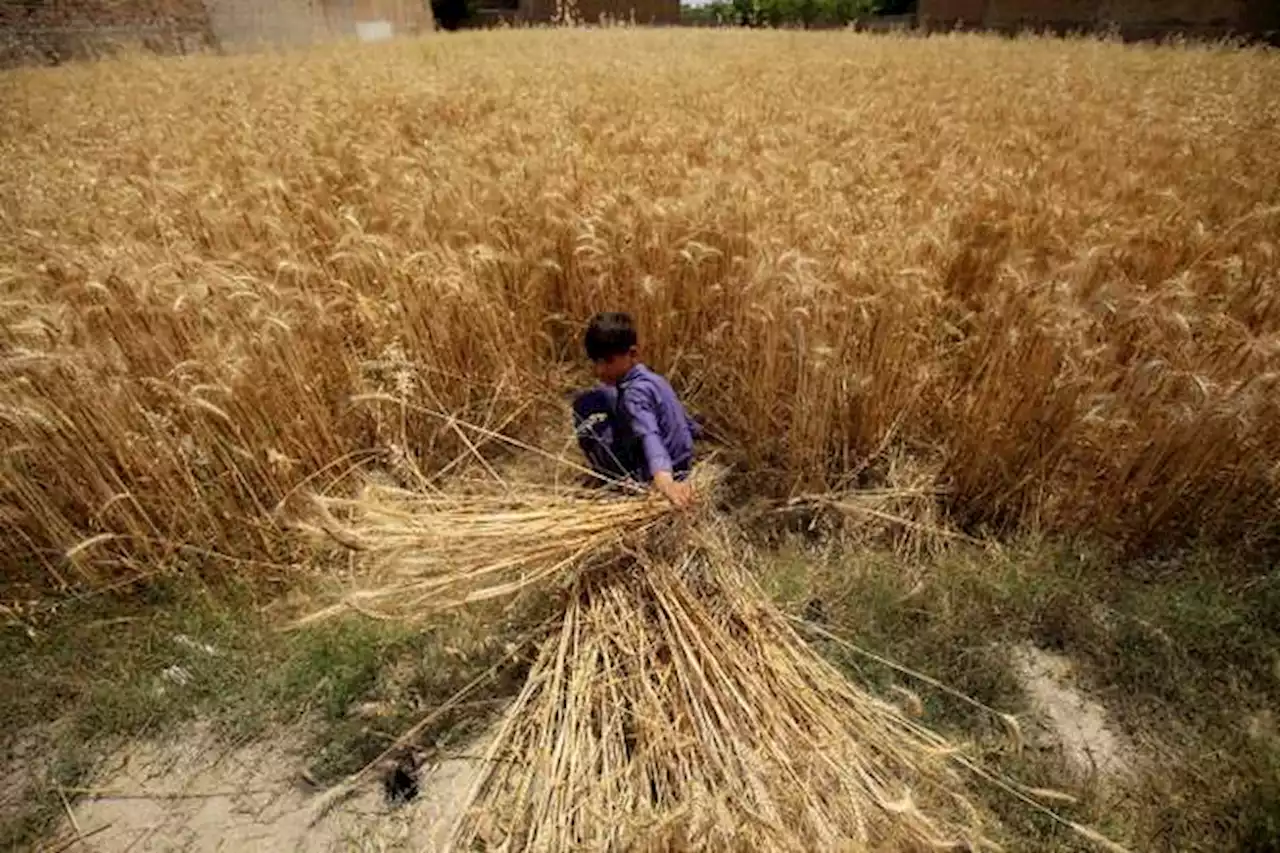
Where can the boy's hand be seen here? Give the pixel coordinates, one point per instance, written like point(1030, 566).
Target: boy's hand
point(680, 494)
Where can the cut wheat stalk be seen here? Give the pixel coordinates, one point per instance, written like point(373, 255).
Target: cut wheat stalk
point(671, 704)
point(674, 704)
point(437, 552)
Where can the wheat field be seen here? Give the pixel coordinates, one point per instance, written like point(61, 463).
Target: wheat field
point(1043, 271)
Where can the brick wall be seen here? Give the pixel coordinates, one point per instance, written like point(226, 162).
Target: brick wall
point(52, 31)
point(1188, 12)
point(57, 30)
point(302, 21)
point(951, 11)
point(15, 14)
point(1192, 14)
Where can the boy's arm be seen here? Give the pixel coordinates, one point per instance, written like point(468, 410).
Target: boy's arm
point(644, 425)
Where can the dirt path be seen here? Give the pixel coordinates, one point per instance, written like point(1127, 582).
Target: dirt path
point(198, 795)
point(195, 793)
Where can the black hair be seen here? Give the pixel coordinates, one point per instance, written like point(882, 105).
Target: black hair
point(609, 333)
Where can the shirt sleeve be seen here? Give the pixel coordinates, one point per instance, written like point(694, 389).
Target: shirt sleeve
point(641, 411)
point(695, 427)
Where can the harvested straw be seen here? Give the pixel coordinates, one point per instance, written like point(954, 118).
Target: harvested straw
point(671, 706)
point(676, 709)
point(436, 551)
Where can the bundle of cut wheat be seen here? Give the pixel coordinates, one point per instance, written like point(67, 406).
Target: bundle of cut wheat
point(671, 706)
point(676, 709)
point(433, 551)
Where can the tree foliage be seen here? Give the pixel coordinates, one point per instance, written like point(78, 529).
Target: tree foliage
point(777, 13)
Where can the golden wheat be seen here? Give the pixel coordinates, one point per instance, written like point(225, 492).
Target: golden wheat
point(672, 705)
point(1044, 269)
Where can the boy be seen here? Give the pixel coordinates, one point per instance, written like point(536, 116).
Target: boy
point(632, 425)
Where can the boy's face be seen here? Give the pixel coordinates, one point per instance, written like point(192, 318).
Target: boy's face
point(612, 368)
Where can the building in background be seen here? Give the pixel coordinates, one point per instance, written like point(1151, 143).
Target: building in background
point(302, 21)
point(1137, 18)
point(57, 30)
point(592, 11)
point(644, 12)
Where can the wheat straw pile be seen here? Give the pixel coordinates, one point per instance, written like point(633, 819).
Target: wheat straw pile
point(675, 709)
point(671, 705)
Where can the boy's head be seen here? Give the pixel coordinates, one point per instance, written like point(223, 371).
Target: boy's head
point(611, 345)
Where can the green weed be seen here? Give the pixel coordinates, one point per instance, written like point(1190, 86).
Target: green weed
point(1184, 655)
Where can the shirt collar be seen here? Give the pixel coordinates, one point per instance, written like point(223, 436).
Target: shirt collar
point(637, 370)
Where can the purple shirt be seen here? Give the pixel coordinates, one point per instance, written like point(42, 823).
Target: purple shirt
point(657, 419)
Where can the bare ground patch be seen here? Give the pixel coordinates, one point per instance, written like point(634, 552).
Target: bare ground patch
point(19, 759)
point(1070, 720)
point(196, 793)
